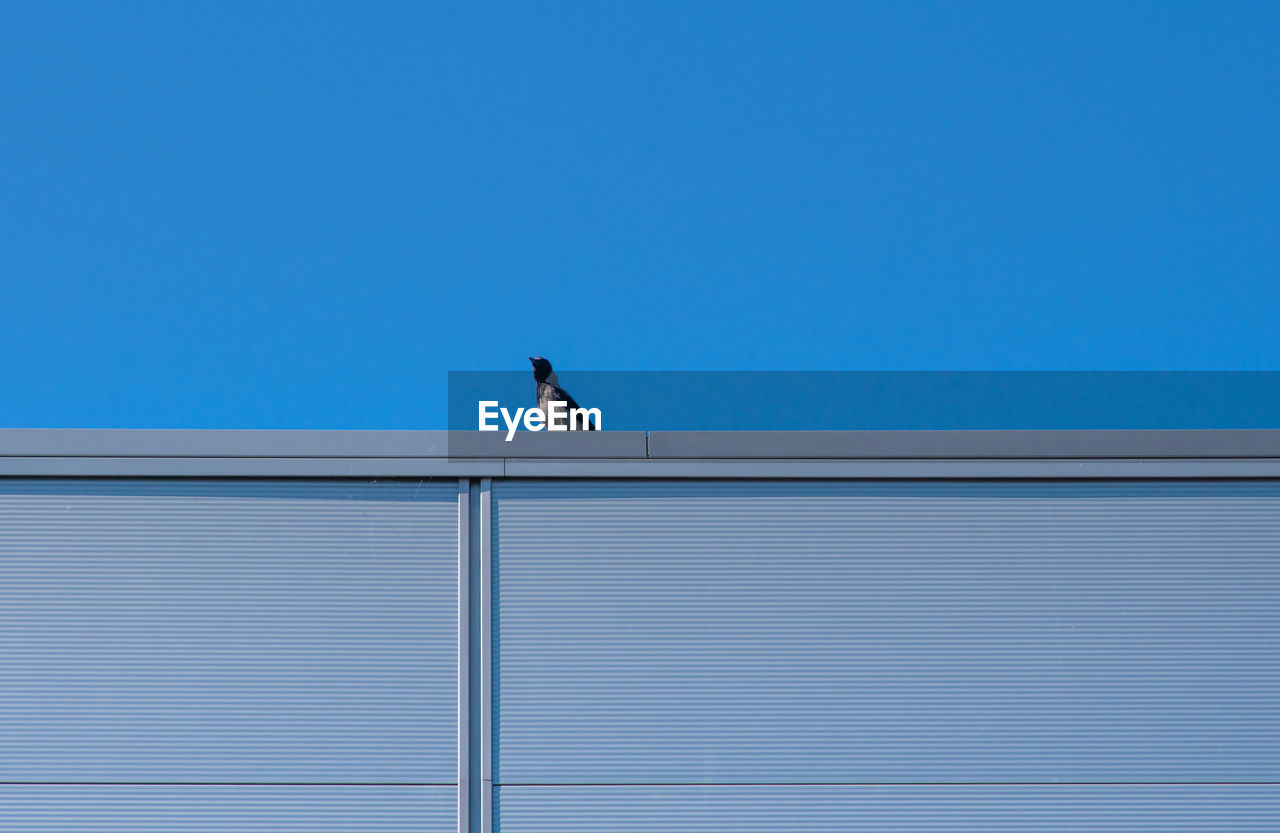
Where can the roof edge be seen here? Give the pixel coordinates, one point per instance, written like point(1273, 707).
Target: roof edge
point(967, 444)
point(641, 445)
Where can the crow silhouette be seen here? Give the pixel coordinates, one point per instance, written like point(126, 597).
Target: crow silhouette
point(549, 390)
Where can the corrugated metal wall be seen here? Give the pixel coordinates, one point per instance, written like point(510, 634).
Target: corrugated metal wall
point(967, 649)
point(923, 808)
point(217, 655)
point(205, 655)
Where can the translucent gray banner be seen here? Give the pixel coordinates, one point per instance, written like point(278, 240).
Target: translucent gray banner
point(812, 400)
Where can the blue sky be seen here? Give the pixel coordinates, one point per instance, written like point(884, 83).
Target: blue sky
point(302, 215)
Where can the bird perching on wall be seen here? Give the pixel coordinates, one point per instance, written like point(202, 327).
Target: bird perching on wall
point(549, 391)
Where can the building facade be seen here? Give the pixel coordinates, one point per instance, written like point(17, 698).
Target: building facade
point(626, 631)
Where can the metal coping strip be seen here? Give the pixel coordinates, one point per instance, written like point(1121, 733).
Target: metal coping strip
point(679, 454)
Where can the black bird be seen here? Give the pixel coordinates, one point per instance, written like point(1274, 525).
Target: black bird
point(549, 390)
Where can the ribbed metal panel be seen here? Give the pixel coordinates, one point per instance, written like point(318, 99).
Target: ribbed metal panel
point(855, 632)
point(226, 809)
point(228, 631)
point(917, 809)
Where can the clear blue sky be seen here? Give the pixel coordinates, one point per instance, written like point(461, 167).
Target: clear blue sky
point(301, 215)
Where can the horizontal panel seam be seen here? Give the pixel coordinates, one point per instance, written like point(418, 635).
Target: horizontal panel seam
point(78, 783)
point(700, 784)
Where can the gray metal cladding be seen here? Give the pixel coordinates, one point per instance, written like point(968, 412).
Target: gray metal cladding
point(1044, 808)
point(226, 808)
point(840, 632)
point(228, 631)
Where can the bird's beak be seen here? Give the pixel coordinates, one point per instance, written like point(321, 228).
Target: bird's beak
point(531, 360)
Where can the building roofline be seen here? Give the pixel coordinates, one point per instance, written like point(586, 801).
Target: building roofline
point(309, 453)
